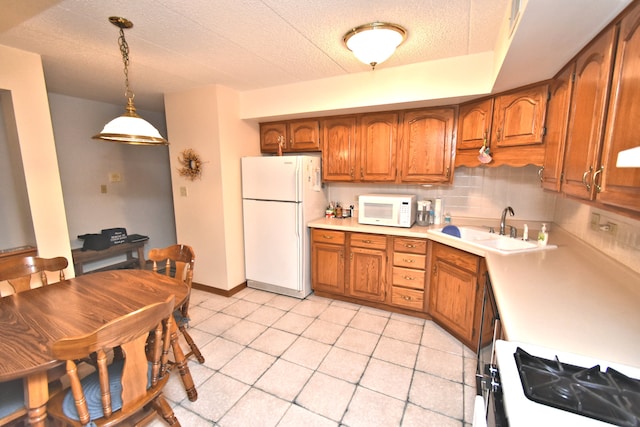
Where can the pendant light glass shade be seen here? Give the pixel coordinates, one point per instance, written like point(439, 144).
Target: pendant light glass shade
point(374, 43)
point(129, 128)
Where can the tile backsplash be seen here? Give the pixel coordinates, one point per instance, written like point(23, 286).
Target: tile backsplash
point(484, 192)
point(475, 193)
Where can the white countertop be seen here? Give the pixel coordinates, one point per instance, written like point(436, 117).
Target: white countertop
point(572, 298)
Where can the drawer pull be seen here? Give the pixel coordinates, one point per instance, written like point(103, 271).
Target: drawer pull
point(366, 241)
point(408, 278)
point(409, 245)
point(409, 261)
point(406, 298)
point(326, 236)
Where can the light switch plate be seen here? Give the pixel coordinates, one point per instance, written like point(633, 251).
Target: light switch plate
point(595, 221)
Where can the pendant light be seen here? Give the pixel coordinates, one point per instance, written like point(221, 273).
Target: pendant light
point(129, 128)
point(374, 43)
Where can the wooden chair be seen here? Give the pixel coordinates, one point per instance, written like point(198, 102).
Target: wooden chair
point(128, 391)
point(178, 262)
point(18, 271)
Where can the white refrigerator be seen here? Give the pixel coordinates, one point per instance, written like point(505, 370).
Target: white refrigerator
point(280, 195)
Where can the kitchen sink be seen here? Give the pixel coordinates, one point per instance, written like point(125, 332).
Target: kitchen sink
point(481, 238)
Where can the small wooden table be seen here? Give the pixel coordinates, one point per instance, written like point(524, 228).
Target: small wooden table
point(81, 257)
point(31, 321)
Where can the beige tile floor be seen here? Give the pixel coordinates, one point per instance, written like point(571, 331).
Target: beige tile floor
point(273, 360)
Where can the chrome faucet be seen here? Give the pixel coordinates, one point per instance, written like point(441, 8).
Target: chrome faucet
point(503, 218)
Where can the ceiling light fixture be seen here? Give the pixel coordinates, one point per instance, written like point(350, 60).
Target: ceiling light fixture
point(129, 128)
point(374, 43)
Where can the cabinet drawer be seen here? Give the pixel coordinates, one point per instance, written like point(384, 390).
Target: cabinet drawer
point(409, 260)
point(416, 246)
point(319, 235)
point(407, 298)
point(408, 277)
point(372, 241)
point(460, 259)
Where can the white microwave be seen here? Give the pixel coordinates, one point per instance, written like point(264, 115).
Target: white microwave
point(395, 210)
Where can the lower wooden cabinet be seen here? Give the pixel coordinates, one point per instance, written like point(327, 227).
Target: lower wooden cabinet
point(367, 266)
point(408, 277)
point(455, 296)
point(327, 260)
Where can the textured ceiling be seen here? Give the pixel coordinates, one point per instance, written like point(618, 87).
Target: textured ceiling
point(242, 44)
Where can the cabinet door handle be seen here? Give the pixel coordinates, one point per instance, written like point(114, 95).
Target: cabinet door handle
point(351, 173)
point(361, 173)
point(540, 173)
point(584, 178)
point(498, 131)
point(595, 175)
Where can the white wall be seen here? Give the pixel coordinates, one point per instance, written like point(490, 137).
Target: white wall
point(141, 202)
point(209, 217)
point(21, 74)
point(16, 228)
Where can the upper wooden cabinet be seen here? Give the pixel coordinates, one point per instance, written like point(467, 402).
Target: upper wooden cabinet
point(360, 148)
point(511, 125)
point(518, 117)
point(295, 136)
point(560, 91)
point(378, 145)
point(587, 116)
point(474, 124)
point(620, 187)
point(339, 149)
point(426, 146)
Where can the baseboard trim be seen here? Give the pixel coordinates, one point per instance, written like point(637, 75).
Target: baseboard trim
point(218, 291)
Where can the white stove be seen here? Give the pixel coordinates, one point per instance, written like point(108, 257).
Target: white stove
point(523, 412)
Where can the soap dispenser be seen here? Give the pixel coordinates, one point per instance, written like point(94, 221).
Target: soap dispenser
point(543, 236)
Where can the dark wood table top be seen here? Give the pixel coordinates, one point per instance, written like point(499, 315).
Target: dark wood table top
point(31, 321)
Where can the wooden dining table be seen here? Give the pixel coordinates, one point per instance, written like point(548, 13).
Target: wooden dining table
point(31, 321)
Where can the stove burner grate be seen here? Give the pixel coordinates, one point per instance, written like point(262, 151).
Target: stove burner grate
point(608, 396)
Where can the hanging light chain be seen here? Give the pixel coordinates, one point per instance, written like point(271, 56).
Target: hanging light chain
point(124, 50)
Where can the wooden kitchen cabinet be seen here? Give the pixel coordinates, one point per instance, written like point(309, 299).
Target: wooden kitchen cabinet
point(360, 148)
point(295, 135)
point(519, 117)
point(408, 277)
point(620, 187)
point(367, 266)
point(378, 145)
point(560, 90)
point(427, 146)
point(474, 124)
point(455, 291)
point(339, 149)
point(587, 116)
point(512, 124)
point(327, 261)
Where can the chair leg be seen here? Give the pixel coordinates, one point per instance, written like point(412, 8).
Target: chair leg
point(192, 345)
point(164, 409)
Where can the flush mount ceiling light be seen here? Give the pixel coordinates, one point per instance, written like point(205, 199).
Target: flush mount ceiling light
point(129, 128)
point(374, 43)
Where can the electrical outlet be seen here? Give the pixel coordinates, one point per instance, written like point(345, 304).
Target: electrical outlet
point(115, 177)
point(613, 228)
point(103, 189)
point(183, 191)
point(595, 221)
